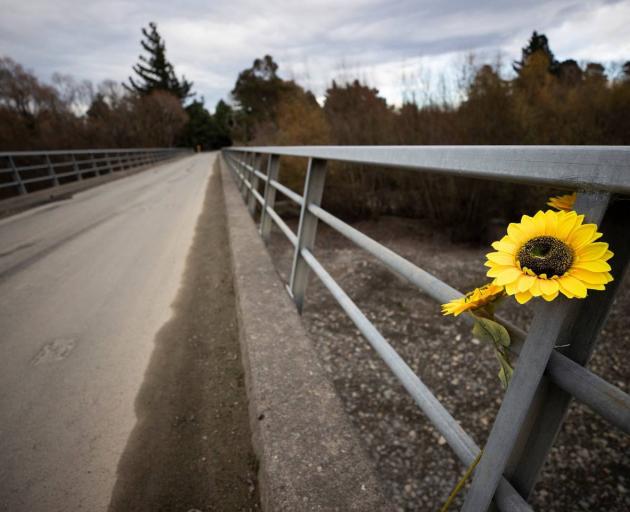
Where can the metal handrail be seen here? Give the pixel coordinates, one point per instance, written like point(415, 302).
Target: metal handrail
point(89, 151)
point(591, 170)
point(99, 162)
point(574, 167)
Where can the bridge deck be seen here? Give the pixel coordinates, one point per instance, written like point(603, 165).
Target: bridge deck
point(86, 286)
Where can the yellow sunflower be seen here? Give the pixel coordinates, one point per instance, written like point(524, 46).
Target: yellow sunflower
point(476, 299)
point(549, 253)
point(563, 203)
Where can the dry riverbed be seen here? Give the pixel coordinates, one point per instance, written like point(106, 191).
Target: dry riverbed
point(588, 468)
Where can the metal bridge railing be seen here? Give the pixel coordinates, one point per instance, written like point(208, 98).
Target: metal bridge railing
point(22, 172)
point(546, 378)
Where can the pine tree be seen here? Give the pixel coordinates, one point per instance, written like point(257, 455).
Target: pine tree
point(154, 71)
point(538, 43)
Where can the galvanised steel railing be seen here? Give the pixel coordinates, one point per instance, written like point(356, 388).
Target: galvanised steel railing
point(22, 172)
point(551, 356)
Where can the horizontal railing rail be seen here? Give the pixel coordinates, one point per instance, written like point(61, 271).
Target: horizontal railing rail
point(22, 172)
point(545, 379)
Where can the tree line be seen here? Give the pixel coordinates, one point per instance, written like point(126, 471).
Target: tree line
point(541, 101)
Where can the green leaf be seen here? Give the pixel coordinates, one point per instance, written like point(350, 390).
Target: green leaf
point(491, 332)
point(503, 378)
point(506, 371)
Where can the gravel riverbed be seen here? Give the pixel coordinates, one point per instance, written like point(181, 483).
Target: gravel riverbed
point(588, 468)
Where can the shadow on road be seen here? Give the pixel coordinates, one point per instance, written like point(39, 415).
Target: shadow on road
point(191, 446)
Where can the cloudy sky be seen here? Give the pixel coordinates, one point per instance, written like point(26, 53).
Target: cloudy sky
point(400, 47)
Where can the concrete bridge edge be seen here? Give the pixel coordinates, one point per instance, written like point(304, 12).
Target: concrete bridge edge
point(310, 456)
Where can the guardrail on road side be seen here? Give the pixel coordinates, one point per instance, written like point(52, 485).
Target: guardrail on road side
point(535, 403)
point(22, 172)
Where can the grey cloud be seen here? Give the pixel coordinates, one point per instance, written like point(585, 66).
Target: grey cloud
point(213, 41)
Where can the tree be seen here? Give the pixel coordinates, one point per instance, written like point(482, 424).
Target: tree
point(155, 72)
point(569, 73)
point(205, 130)
point(538, 44)
point(158, 119)
point(257, 93)
point(487, 116)
point(358, 115)
point(224, 121)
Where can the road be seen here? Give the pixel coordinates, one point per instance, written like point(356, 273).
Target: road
point(85, 286)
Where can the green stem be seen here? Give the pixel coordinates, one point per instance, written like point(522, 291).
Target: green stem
point(461, 483)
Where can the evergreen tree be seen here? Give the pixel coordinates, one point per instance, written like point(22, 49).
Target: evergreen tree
point(224, 119)
point(155, 72)
point(538, 43)
point(204, 129)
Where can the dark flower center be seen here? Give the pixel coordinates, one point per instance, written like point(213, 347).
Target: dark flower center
point(546, 255)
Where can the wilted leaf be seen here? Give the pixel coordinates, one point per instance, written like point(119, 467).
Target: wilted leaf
point(491, 332)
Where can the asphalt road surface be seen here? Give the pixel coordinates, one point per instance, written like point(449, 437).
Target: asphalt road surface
point(86, 284)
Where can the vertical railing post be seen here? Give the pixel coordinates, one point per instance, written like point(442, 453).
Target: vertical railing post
point(51, 171)
point(273, 168)
point(237, 159)
point(75, 166)
point(16, 176)
point(94, 166)
point(519, 429)
point(248, 174)
point(254, 180)
point(551, 403)
point(240, 168)
point(240, 172)
point(109, 167)
point(307, 229)
point(248, 161)
point(120, 162)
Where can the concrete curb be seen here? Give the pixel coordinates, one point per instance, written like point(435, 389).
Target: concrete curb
point(310, 457)
point(16, 204)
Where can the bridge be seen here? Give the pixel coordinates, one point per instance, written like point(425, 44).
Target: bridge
point(150, 350)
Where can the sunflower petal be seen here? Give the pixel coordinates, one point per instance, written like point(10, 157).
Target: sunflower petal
point(593, 266)
point(551, 222)
point(516, 233)
point(566, 225)
point(511, 288)
point(549, 298)
point(525, 282)
point(573, 285)
point(496, 270)
point(588, 277)
point(501, 258)
point(522, 298)
point(505, 245)
point(565, 291)
point(582, 235)
point(535, 288)
point(593, 251)
point(507, 276)
point(549, 286)
point(539, 222)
